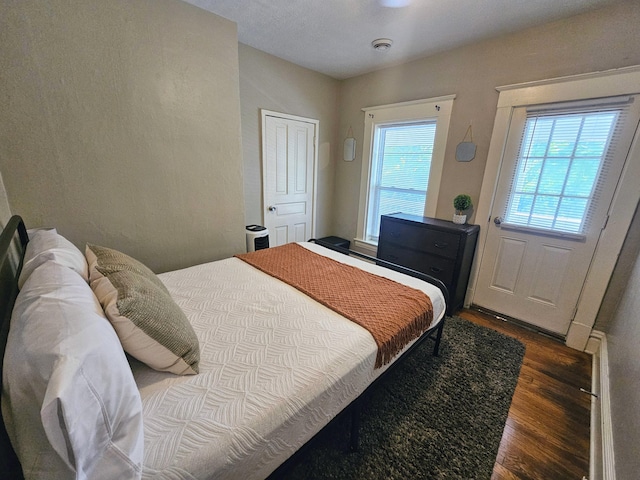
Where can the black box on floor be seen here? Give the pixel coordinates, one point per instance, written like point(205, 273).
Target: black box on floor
point(332, 242)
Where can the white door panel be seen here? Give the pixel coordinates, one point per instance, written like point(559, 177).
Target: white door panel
point(532, 278)
point(288, 172)
point(550, 274)
point(286, 209)
point(508, 264)
point(537, 275)
point(280, 235)
point(300, 232)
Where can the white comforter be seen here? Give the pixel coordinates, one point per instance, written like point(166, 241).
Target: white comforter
point(275, 368)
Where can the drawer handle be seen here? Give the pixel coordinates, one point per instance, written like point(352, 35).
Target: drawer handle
point(435, 269)
point(393, 257)
point(441, 245)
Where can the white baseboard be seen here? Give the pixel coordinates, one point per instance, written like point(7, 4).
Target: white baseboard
point(601, 453)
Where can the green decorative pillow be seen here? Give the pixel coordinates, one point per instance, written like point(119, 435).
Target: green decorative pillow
point(103, 261)
point(150, 325)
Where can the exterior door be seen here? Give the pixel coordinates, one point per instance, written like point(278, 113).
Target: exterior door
point(557, 179)
point(289, 155)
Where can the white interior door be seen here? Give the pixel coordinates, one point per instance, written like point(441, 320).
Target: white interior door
point(288, 163)
point(558, 175)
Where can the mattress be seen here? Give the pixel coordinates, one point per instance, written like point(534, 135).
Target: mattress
point(275, 368)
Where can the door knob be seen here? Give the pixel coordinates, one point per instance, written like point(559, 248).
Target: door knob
point(272, 208)
point(497, 220)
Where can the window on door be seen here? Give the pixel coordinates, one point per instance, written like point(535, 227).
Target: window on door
point(403, 156)
point(562, 159)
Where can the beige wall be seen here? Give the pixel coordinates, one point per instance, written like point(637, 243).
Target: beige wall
point(121, 126)
point(623, 338)
point(269, 83)
point(604, 39)
point(5, 210)
point(621, 274)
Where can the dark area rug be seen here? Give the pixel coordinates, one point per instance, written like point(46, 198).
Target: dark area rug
point(432, 417)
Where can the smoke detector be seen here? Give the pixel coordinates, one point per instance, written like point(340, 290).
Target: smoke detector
point(382, 44)
point(394, 3)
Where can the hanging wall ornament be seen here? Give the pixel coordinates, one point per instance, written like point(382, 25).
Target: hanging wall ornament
point(466, 150)
point(349, 151)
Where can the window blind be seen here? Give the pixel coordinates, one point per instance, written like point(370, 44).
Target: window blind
point(401, 166)
point(564, 155)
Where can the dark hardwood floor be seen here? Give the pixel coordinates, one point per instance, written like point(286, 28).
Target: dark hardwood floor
point(547, 432)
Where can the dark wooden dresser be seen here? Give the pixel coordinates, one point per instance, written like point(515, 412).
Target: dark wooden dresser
point(436, 247)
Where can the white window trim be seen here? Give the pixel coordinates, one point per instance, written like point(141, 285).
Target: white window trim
point(623, 81)
point(438, 108)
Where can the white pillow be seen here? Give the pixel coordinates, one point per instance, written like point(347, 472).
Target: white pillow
point(45, 245)
point(70, 402)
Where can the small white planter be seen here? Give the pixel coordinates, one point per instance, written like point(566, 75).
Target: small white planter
point(459, 219)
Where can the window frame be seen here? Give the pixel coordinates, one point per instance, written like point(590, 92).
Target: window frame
point(377, 165)
point(438, 109)
point(615, 106)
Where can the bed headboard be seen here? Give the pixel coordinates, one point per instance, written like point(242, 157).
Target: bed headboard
point(13, 242)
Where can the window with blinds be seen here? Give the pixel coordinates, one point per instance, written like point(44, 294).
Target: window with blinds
point(401, 163)
point(563, 157)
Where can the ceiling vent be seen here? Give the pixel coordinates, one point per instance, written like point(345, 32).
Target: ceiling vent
point(382, 44)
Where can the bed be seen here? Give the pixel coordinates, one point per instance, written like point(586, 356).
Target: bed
point(274, 367)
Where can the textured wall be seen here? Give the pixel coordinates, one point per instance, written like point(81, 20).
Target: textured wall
point(623, 339)
point(5, 210)
point(619, 282)
point(601, 40)
point(121, 125)
point(267, 82)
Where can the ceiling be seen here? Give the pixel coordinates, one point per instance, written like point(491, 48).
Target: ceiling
point(334, 36)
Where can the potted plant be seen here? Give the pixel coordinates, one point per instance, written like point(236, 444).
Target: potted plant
point(461, 203)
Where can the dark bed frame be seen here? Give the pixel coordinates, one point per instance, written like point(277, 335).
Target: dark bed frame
point(13, 242)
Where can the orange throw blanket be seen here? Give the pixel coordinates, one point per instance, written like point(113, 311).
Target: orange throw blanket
point(393, 313)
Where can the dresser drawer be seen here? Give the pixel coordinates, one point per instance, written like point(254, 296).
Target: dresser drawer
point(438, 267)
point(421, 239)
point(433, 246)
